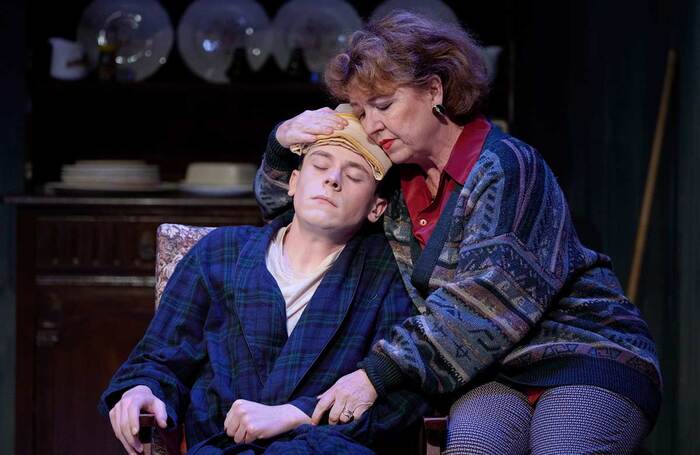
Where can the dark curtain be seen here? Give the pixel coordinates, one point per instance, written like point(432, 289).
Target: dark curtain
point(687, 230)
point(588, 86)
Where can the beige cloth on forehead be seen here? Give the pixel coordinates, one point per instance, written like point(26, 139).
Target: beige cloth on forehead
point(353, 138)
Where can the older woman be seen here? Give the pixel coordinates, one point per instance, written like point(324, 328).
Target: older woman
point(525, 325)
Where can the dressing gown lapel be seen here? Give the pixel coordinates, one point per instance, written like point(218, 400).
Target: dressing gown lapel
point(317, 326)
point(258, 302)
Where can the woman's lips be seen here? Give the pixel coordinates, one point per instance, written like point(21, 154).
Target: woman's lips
point(386, 144)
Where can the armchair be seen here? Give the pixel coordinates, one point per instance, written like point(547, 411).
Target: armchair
point(173, 242)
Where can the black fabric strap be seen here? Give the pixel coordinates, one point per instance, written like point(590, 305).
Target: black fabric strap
point(424, 264)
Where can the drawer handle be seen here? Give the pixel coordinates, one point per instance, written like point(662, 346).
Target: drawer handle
point(147, 247)
point(46, 338)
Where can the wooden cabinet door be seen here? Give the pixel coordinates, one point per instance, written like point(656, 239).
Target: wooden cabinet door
point(84, 332)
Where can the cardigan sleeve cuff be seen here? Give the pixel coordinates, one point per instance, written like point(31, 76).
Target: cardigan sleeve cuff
point(384, 374)
point(279, 157)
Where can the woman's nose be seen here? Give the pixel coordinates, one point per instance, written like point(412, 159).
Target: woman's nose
point(370, 123)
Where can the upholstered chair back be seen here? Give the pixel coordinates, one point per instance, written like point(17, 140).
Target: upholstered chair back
point(173, 243)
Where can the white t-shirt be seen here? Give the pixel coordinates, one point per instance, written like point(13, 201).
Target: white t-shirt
point(297, 288)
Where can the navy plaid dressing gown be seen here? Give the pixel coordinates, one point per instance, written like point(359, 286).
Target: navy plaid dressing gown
point(220, 335)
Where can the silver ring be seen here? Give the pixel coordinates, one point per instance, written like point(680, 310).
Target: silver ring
point(348, 413)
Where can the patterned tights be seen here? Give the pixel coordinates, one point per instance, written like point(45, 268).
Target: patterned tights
point(496, 419)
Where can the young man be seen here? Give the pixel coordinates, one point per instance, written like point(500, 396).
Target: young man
point(255, 323)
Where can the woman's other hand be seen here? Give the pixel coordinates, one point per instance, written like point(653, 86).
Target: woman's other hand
point(348, 399)
point(304, 128)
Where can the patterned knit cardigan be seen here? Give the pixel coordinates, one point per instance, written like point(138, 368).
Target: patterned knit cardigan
point(513, 289)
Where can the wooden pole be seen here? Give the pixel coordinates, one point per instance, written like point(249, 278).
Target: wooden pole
point(650, 185)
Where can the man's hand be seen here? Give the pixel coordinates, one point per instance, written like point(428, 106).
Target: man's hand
point(304, 128)
point(348, 399)
point(125, 416)
point(247, 421)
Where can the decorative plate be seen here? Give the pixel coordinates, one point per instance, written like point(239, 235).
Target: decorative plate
point(433, 9)
point(319, 29)
point(137, 32)
point(211, 31)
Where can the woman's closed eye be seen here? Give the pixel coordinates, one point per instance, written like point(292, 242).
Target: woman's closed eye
point(383, 106)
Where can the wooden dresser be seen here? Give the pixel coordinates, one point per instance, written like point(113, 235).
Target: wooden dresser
point(84, 298)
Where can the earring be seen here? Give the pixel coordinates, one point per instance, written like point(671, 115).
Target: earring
point(439, 110)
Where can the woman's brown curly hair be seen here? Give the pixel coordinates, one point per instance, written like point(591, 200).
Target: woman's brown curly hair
point(406, 49)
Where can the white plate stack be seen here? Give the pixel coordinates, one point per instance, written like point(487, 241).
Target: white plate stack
point(219, 179)
point(110, 175)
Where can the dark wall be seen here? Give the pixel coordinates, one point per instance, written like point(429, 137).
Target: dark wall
point(12, 108)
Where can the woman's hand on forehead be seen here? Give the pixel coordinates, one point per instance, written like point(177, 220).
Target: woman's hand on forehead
point(307, 126)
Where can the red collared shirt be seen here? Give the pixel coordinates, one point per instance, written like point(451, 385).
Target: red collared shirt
point(422, 207)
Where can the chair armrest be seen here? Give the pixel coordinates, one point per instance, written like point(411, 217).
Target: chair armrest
point(163, 442)
point(435, 423)
point(147, 422)
point(434, 432)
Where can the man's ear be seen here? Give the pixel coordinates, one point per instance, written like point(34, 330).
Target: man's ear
point(377, 209)
point(293, 183)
